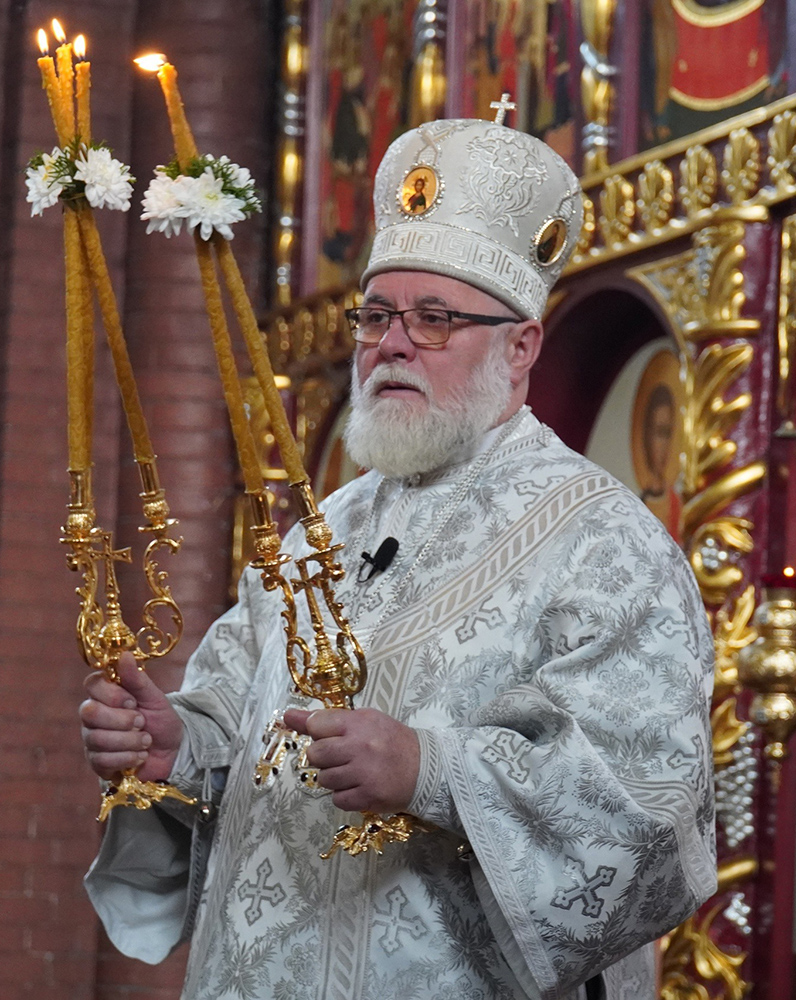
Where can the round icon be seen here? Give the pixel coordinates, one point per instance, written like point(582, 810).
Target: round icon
point(418, 192)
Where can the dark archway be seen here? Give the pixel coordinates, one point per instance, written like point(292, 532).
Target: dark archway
point(586, 346)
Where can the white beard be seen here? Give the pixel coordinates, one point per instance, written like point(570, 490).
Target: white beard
point(398, 439)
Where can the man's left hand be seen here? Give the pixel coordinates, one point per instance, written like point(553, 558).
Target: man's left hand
point(368, 759)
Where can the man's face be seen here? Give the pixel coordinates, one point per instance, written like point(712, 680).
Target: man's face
point(446, 370)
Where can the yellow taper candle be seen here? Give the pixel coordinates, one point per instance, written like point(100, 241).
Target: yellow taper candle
point(66, 79)
point(49, 82)
point(228, 370)
point(79, 376)
point(83, 90)
point(261, 363)
point(142, 445)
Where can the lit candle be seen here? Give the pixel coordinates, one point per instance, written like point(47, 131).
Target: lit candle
point(66, 79)
point(83, 90)
point(51, 86)
point(184, 145)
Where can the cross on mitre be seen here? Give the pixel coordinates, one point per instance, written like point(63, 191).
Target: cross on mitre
point(501, 107)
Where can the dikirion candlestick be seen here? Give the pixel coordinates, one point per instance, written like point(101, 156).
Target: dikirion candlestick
point(336, 670)
point(82, 175)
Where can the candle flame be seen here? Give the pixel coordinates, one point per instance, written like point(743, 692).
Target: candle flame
point(58, 31)
point(41, 38)
point(789, 571)
point(80, 47)
point(151, 62)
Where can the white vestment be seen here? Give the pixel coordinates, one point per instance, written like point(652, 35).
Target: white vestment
point(545, 636)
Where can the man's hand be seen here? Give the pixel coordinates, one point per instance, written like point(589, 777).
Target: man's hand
point(370, 760)
point(129, 725)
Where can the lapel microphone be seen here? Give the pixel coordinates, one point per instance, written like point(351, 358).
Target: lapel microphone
point(385, 554)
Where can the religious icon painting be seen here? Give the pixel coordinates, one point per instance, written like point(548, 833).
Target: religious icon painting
point(656, 437)
point(529, 50)
point(357, 103)
point(638, 433)
point(419, 191)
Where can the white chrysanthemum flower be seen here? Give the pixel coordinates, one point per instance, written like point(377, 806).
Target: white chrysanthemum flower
point(240, 177)
point(43, 187)
point(161, 205)
point(205, 205)
point(108, 181)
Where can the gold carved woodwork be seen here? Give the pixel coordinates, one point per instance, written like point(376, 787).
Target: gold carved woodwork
point(698, 180)
point(743, 165)
point(786, 330)
point(290, 148)
point(727, 730)
point(617, 210)
point(656, 196)
point(597, 90)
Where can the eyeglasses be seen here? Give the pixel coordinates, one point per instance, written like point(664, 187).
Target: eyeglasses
point(424, 327)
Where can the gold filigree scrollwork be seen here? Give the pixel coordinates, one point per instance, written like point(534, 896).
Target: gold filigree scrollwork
point(732, 632)
point(691, 943)
point(656, 196)
point(714, 549)
point(708, 414)
point(727, 729)
point(742, 166)
point(782, 152)
point(698, 180)
point(617, 210)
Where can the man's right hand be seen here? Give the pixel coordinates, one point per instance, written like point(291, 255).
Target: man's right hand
point(128, 726)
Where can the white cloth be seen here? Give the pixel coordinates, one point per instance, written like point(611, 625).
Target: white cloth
point(546, 637)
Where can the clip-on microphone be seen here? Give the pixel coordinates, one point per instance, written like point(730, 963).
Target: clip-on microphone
point(385, 554)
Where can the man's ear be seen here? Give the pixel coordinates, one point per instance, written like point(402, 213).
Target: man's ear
point(526, 343)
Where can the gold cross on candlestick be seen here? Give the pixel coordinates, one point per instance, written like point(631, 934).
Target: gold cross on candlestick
point(501, 107)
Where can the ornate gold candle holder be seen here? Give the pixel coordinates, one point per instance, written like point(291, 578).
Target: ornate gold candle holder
point(768, 666)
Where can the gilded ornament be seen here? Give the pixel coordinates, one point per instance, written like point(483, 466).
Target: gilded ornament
point(768, 666)
point(782, 152)
point(656, 196)
point(691, 943)
point(698, 180)
point(709, 416)
point(617, 210)
point(786, 331)
point(713, 549)
point(588, 229)
point(742, 165)
point(727, 730)
point(732, 632)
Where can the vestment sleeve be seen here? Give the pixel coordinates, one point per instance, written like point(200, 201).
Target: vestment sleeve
point(144, 883)
point(585, 790)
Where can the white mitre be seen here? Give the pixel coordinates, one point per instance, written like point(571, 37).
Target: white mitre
point(480, 202)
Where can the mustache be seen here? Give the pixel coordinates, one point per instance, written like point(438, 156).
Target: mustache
point(389, 373)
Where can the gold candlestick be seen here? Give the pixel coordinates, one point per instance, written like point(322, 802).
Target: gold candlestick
point(103, 636)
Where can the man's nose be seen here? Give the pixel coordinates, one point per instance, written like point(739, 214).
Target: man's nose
point(396, 343)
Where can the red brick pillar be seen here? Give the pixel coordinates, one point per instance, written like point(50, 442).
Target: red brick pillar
point(48, 834)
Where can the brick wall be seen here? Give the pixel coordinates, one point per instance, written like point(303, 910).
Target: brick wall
point(50, 942)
